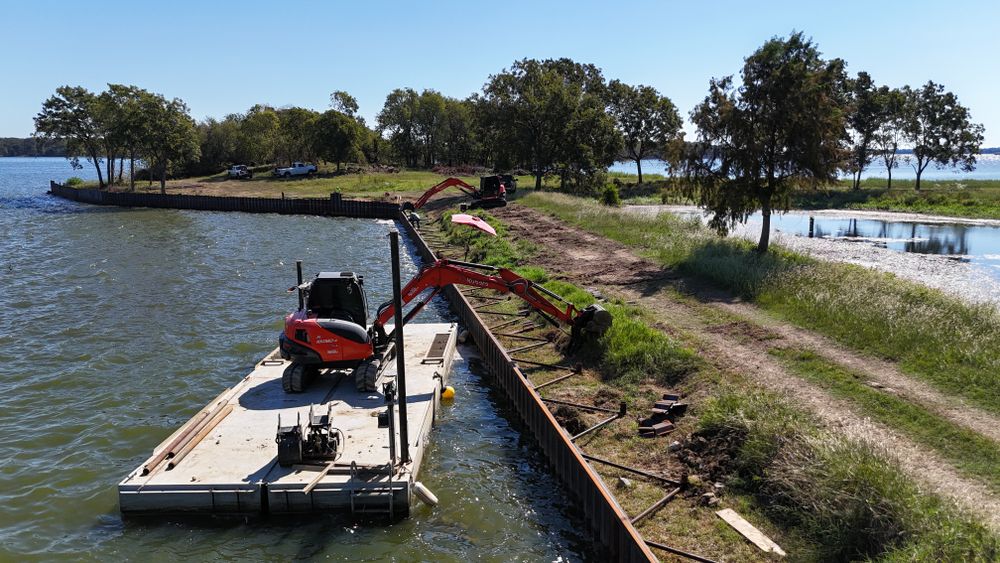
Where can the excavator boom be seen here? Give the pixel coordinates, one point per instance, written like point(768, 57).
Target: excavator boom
point(593, 319)
point(443, 185)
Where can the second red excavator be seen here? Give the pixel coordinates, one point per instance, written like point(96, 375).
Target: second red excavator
point(329, 330)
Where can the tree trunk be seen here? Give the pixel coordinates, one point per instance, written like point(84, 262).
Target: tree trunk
point(338, 166)
point(538, 180)
point(888, 185)
point(920, 171)
point(163, 180)
point(765, 229)
point(121, 168)
point(111, 169)
point(638, 167)
point(97, 165)
point(131, 171)
point(857, 180)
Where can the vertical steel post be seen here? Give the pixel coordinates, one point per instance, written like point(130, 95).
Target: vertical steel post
point(397, 302)
point(298, 269)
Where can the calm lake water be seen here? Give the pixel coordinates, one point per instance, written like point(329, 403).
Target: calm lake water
point(987, 168)
point(117, 325)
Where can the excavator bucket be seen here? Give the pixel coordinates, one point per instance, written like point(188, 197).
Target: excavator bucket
point(595, 320)
point(591, 323)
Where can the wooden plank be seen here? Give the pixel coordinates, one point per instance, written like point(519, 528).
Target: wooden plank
point(747, 530)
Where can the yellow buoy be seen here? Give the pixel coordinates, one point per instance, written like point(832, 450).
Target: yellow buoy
point(448, 393)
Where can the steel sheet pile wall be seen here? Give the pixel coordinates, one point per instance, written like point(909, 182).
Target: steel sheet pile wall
point(603, 514)
point(334, 206)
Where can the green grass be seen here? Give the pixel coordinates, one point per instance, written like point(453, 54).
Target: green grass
point(933, 336)
point(969, 451)
point(846, 496)
point(959, 198)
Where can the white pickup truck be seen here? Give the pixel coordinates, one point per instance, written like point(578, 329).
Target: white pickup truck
point(296, 169)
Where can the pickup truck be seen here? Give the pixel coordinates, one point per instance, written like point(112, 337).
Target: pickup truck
point(296, 169)
point(241, 172)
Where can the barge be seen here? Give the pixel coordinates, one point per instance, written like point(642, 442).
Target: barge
point(224, 461)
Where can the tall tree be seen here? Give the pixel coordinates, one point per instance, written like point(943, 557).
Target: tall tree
point(171, 138)
point(783, 127)
point(294, 140)
point(336, 137)
point(646, 120)
point(889, 136)
point(72, 114)
point(535, 103)
point(126, 123)
point(398, 118)
point(939, 130)
point(863, 121)
point(344, 103)
point(259, 132)
point(430, 122)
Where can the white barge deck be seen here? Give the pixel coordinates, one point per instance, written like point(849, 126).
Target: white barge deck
point(234, 469)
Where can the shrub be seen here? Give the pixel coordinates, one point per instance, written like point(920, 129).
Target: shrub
point(74, 182)
point(610, 196)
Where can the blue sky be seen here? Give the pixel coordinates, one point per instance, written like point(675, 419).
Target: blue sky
point(223, 58)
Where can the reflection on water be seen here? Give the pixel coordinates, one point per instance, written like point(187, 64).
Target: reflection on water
point(951, 240)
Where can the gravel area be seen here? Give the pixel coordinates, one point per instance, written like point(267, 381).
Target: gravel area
point(967, 281)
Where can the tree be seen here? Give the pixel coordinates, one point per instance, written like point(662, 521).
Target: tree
point(294, 139)
point(430, 125)
point(171, 137)
point(645, 119)
point(259, 132)
point(863, 121)
point(544, 116)
point(939, 130)
point(336, 137)
point(72, 114)
point(458, 142)
point(785, 126)
point(126, 125)
point(344, 103)
point(889, 135)
point(398, 118)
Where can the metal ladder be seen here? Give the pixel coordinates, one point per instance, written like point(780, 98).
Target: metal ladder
point(362, 500)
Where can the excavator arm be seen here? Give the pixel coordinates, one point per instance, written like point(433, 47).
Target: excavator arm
point(443, 185)
point(593, 319)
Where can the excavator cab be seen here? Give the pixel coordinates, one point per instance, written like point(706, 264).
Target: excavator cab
point(338, 296)
point(490, 185)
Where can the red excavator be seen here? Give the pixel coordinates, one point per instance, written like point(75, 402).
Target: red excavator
point(329, 330)
point(492, 192)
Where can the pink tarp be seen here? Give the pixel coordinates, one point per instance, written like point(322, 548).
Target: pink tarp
point(473, 221)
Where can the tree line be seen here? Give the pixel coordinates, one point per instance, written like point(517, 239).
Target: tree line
point(546, 117)
point(123, 122)
point(30, 146)
point(794, 119)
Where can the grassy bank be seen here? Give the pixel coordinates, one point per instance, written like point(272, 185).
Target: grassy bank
point(971, 452)
point(979, 199)
point(966, 198)
point(821, 497)
point(931, 335)
point(844, 495)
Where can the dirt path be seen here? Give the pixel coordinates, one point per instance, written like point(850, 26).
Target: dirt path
point(741, 346)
